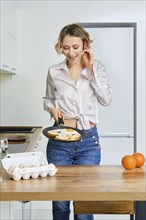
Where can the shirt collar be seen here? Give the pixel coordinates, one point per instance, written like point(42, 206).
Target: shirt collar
point(62, 65)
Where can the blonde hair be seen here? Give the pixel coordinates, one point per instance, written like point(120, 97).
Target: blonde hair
point(75, 30)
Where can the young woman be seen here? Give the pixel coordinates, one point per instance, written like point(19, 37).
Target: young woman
point(74, 89)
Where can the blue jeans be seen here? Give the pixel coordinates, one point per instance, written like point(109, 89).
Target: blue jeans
point(85, 152)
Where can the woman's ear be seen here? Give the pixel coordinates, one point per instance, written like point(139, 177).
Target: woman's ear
point(84, 45)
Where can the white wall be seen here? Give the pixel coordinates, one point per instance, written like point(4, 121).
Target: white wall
point(39, 23)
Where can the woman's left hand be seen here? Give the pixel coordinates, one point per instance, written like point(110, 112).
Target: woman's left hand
point(88, 59)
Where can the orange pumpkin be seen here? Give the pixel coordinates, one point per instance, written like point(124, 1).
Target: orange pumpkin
point(128, 162)
point(140, 159)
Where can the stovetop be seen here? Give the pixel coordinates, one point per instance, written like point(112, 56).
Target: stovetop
point(19, 137)
point(17, 129)
point(17, 147)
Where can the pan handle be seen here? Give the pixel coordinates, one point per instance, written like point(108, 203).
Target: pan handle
point(60, 121)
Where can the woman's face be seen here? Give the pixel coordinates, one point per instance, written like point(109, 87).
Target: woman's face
point(72, 48)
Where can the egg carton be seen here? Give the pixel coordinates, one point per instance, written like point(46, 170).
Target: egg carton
point(28, 165)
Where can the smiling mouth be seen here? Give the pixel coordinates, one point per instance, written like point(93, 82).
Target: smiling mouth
point(72, 58)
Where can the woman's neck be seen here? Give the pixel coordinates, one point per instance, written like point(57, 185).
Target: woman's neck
point(76, 66)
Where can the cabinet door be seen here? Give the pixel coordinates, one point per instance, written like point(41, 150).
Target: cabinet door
point(8, 37)
point(5, 210)
point(114, 47)
point(113, 149)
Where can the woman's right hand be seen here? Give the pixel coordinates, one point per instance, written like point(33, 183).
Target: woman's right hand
point(56, 113)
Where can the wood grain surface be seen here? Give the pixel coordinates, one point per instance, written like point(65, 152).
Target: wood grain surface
point(80, 183)
point(104, 207)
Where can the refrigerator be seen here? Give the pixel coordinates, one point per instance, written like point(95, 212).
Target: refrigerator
point(114, 44)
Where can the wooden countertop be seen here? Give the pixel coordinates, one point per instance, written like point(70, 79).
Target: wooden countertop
point(80, 183)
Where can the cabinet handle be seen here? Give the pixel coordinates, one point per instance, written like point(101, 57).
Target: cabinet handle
point(4, 65)
point(115, 135)
point(13, 68)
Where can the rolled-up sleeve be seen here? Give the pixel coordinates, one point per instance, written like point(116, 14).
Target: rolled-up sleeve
point(49, 99)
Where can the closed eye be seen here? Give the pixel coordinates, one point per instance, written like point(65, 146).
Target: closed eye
point(66, 48)
point(75, 47)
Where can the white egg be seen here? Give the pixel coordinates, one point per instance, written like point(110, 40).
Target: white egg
point(44, 174)
point(17, 177)
point(53, 172)
point(15, 171)
point(26, 176)
point(35, 175)
point(52, 166)
point(44, 163)
point(30, 165)
point(21, 165)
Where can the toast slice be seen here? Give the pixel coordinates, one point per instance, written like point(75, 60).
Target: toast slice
point(68, 134)
point(53, 133)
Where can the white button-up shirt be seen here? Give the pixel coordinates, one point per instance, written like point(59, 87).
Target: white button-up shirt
point(77, 100)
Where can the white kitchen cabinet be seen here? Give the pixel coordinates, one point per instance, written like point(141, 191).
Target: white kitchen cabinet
point(117, 127)
point(5, 210)
point(114, 149)
point(8, 38)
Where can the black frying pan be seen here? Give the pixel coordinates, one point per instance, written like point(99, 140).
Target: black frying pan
point(60, 125)
point(45, 132)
